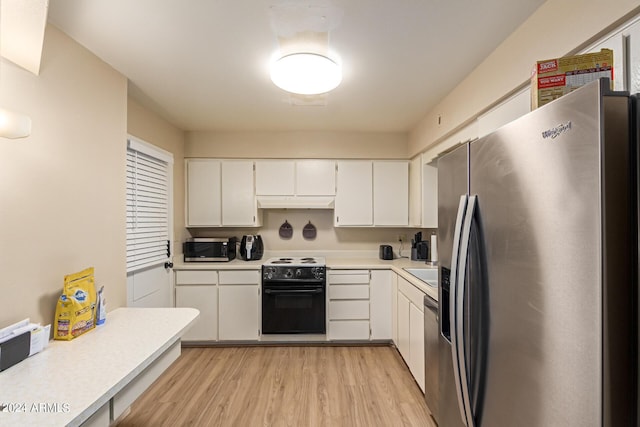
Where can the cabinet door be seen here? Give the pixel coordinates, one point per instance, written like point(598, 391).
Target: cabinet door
point(403, 328)
point(429, 196)
point(203, 193)
point(238, 194)
point(416, 344)
point(354, 195)
point(238, 310)
point(380, 291)
point(315, 177)
point(205, 299)
point(633, 34)
point(275, 177)
point(394, 309)
point(390, 193)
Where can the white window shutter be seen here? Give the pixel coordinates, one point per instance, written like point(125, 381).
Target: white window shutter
point(147, 210)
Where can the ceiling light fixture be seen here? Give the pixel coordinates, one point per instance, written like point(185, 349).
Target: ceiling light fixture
point(306, 73)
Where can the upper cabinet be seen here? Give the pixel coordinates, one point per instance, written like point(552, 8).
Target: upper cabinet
point(204, 191)
point(391, 193)
point(372, 193)
point(315, 177)
point(275, 177)
point(238, 194)
point(354, 195)
point(220, 193)
point(295, 177)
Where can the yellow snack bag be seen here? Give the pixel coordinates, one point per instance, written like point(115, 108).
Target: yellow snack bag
point(75, 310)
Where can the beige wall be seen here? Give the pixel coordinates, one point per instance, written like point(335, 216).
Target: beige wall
point(62, 190)
point(328, 238)
point(557, 28)
point(309, 144)
point(153, 129)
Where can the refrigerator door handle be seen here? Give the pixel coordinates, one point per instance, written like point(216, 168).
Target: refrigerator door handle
point(453, 306)
point(460, 300)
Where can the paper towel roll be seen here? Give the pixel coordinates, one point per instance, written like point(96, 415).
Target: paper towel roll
point(434, 248)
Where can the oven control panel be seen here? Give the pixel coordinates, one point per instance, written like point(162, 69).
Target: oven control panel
point(271, 273)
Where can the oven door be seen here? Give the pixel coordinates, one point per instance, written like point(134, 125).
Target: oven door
point(290, 308)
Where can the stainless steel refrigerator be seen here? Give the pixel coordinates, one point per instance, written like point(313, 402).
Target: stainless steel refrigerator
point(537, 235)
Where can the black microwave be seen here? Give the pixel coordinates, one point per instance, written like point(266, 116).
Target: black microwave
point(209, 249)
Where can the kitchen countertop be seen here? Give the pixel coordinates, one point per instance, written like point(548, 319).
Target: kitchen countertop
point(333, 262)
point(76, 378)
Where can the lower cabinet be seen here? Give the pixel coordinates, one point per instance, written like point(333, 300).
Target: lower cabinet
point(238, 307)
point(348, 311)
point(410, 324)
point(228, 301)
point(205, 299)
point(380, 297)
point(198, 289)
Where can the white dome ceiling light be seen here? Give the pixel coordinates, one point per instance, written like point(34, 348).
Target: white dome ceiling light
point(306, 73)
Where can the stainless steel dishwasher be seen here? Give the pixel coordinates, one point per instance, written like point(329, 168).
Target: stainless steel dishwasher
point(431, 354)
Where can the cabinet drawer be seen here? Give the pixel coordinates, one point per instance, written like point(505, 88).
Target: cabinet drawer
point(415, 295)
point(239, 277)
point(199, 277)
point(348, 276)
point(348, 292)
point(348, 330)
point(345, 310)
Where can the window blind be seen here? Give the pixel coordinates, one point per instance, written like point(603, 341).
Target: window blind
point(147, 210)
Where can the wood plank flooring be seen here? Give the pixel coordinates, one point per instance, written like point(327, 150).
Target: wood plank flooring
point(283, 386)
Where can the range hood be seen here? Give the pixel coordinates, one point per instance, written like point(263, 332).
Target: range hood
point(295, 202)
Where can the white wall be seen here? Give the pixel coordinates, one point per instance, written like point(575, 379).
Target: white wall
point(153, 129)
point(62, 190)
point(301, 144)
point(557, 28)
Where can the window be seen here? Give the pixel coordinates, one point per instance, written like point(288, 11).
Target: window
point(148, 204)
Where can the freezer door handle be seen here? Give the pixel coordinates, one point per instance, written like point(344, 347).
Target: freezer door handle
point(453, 307)
point(461, 289)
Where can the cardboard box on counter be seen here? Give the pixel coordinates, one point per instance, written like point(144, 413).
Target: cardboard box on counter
point(552, 78)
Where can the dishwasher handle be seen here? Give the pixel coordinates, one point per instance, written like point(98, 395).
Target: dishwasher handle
point(430, 304)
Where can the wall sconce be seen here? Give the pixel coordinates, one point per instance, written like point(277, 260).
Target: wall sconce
point(14, 125)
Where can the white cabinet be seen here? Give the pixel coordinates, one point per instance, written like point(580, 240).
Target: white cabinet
point(415, 191)
point(198, 289)
point(410, 311)
point(203, 193)
point(299, 178)
point(429, 196)
point(372, 193)
point(380, 296)
point(403, 327)
point(416, 343)
point(239, 305)
point(220, 193)
point(275, 177)
point(348, 300)
point(391, 193)
point(394, 309)
point(633, 35)
point(354, 194)
point(205, 299)
point(238, 194)
point(315, 177)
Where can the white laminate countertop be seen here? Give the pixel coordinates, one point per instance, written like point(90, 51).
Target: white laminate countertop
point(76, 378)
point(333, 262)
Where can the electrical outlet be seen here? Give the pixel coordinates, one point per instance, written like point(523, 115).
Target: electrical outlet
point(402, 237)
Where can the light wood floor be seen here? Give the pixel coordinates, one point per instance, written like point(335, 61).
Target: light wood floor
point(283, 386)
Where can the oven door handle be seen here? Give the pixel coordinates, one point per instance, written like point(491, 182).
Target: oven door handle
point(292, 291)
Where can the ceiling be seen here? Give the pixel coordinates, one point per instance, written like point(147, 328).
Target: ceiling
point(203, 64)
